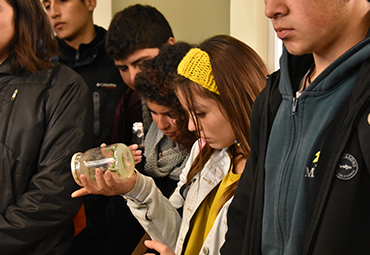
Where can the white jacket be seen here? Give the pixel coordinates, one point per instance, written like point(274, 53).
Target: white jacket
point(159, 216)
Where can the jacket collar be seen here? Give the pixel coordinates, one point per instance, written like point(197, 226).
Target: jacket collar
point(295, 67)
point(86, 52)
point(5, 67)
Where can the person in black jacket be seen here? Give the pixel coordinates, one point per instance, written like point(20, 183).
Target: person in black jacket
point(306, 186)
point(46, 114)
point(82, 47)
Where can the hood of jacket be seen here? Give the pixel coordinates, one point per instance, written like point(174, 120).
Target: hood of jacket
point(291, 73)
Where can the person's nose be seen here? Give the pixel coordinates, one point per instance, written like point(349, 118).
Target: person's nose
point(191, 124)
point(133, 71)
point(53, 10)
point(275, 8)
point(163, 122)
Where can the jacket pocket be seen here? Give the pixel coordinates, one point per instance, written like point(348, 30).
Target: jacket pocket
point(15, 175)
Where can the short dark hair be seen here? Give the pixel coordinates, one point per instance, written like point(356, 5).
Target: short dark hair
point(155, 84)
point(134, 28)
point(33, 44)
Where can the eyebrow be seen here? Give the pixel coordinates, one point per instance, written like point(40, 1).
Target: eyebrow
point(139, 59)
point(166, 113)
point(136, 61)
point(199, 107)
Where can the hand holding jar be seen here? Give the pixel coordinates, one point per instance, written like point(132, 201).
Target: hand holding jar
point(108, 170)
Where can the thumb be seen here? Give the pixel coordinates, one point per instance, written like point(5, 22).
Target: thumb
point(159, 247)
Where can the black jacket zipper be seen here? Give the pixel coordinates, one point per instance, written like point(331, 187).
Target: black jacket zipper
point(12, 98)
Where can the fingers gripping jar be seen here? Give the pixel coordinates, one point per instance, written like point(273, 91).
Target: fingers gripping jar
point(116, 158)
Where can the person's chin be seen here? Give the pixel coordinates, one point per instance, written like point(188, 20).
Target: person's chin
point(296, 48)
point(63, 36)
point(170, 135)
point(214, 145)
point(218, 145)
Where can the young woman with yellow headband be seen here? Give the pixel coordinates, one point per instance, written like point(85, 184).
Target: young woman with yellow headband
point(217, 84)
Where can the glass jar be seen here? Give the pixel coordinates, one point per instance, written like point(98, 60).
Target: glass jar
point(116, 158)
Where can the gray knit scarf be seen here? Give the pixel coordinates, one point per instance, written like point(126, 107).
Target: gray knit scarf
point(163, 156)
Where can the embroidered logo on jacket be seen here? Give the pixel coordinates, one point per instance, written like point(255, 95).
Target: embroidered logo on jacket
point(310, 172)
point(106, 85)
point(348, 167)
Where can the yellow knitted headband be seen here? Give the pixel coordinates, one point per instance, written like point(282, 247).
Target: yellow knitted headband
point(196, 66)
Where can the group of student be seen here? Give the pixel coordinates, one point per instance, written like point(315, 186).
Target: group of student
point(290, 177)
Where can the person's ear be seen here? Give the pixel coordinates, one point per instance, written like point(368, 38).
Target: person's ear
point(91, 4)
point(171, 41)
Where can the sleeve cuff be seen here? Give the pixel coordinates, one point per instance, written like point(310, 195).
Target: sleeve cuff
point(141, 189)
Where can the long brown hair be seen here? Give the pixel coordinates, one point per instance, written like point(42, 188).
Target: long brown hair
point(33, 44)
point(240, 75)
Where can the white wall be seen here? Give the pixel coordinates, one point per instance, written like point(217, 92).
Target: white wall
point(274, 49)
point(248, 23)
point(195, 20)
point(191, 20)
point(102, 14)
